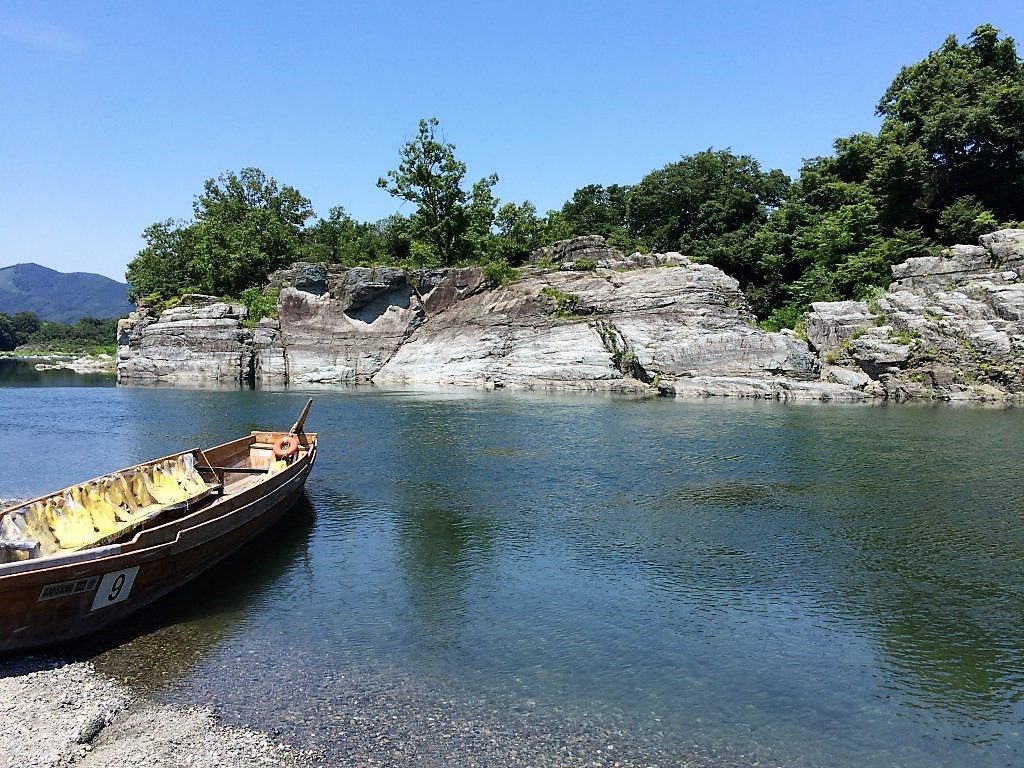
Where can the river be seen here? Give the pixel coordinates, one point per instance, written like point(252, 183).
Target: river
point(803, 585)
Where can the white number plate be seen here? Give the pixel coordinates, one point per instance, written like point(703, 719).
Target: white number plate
point(114, 587)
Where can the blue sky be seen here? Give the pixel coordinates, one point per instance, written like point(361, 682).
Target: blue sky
point(115, 112)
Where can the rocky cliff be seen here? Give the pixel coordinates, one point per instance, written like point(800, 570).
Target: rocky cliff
point(949, 327)
point(587, 317)
point(201, 340)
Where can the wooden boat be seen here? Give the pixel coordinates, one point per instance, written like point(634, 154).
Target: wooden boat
point(84, 558)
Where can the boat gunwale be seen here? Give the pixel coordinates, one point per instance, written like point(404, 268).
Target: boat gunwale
point(138, 546)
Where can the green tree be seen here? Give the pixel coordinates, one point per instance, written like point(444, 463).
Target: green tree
point(25, 324)
point(245, 227)
point(520, 231)
point(87, 332)
point(447, 222)
point(166, 267)
point(340, 239)
point(961, 109)
point(598, 210)
point(708, 206)
point(8, 335)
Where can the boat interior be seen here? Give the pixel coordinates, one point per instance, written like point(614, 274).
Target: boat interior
point(113, 507)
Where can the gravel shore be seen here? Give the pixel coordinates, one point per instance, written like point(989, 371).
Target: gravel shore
point(60, 714)
point(55, 712)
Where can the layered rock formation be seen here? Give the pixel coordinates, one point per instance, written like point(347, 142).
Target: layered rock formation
point(682, 326)
point(949, 327)
point(203, 339)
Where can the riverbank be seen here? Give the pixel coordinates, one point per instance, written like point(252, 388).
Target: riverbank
point(58, 714)
point(77, 362)
point(63, 714)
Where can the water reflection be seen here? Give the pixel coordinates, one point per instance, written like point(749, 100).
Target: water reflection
point(23, 373)
point(165, 642)
point(444, 536)
point(821, 586)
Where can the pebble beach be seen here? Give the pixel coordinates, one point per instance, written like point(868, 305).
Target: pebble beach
point(60, 713)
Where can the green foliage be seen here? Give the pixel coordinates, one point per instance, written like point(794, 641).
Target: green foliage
point(499, 271)
point(905, 337)
point(947, 165)
point(519, 231)
point(165, 267)
point(708, 206)
point(261, 303)
point(340, 239)
point(449, 223)
point(566, 304)
point(964, 221)
point(17, 329)
point(597, 210)
point(962, 107)
point(8, 336)
point(85, 335)
point(25, 324)
point(584, 265)
point(245, 227)
point(783, 317)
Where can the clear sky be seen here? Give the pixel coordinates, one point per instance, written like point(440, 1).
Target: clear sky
point(113, 113)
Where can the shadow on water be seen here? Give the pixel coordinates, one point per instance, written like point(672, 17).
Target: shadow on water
point(165, 640)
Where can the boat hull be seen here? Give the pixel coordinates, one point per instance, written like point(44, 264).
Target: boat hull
point(58, 603)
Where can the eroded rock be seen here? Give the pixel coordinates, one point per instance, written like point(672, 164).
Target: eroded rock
point(949, 327)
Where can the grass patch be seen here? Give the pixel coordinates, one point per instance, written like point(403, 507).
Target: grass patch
point(566, 304)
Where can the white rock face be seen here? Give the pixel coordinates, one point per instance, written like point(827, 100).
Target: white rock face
point(595, 329)
point(616, 330)
point(202, 340)
point(503, 338)
point(949, 327)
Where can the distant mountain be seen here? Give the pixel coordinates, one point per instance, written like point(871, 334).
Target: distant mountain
point(64, 297)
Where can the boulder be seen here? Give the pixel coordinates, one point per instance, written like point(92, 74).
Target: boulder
point(566, 253)
point(831, 324)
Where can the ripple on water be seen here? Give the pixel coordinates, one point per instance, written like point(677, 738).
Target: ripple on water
point(534, 579)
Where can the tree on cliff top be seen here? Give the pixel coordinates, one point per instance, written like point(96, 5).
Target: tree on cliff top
point(946, 167)
point(446, 216)
point(707, 206)
point(962, 110)
point(245, 227)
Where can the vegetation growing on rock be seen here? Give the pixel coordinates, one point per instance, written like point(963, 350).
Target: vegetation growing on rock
point(946, 166)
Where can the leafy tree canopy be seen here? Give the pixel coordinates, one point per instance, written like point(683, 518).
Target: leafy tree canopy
point(17, 329)
point(946, 166)
point(26, 328)
point(960, 112)
point(245, 227)
point(448, 220)
point(707, 206)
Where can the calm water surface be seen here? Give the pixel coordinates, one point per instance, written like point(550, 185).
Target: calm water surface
point(813, 585)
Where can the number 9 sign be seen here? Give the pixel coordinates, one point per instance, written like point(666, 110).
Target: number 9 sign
point(114, 587)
